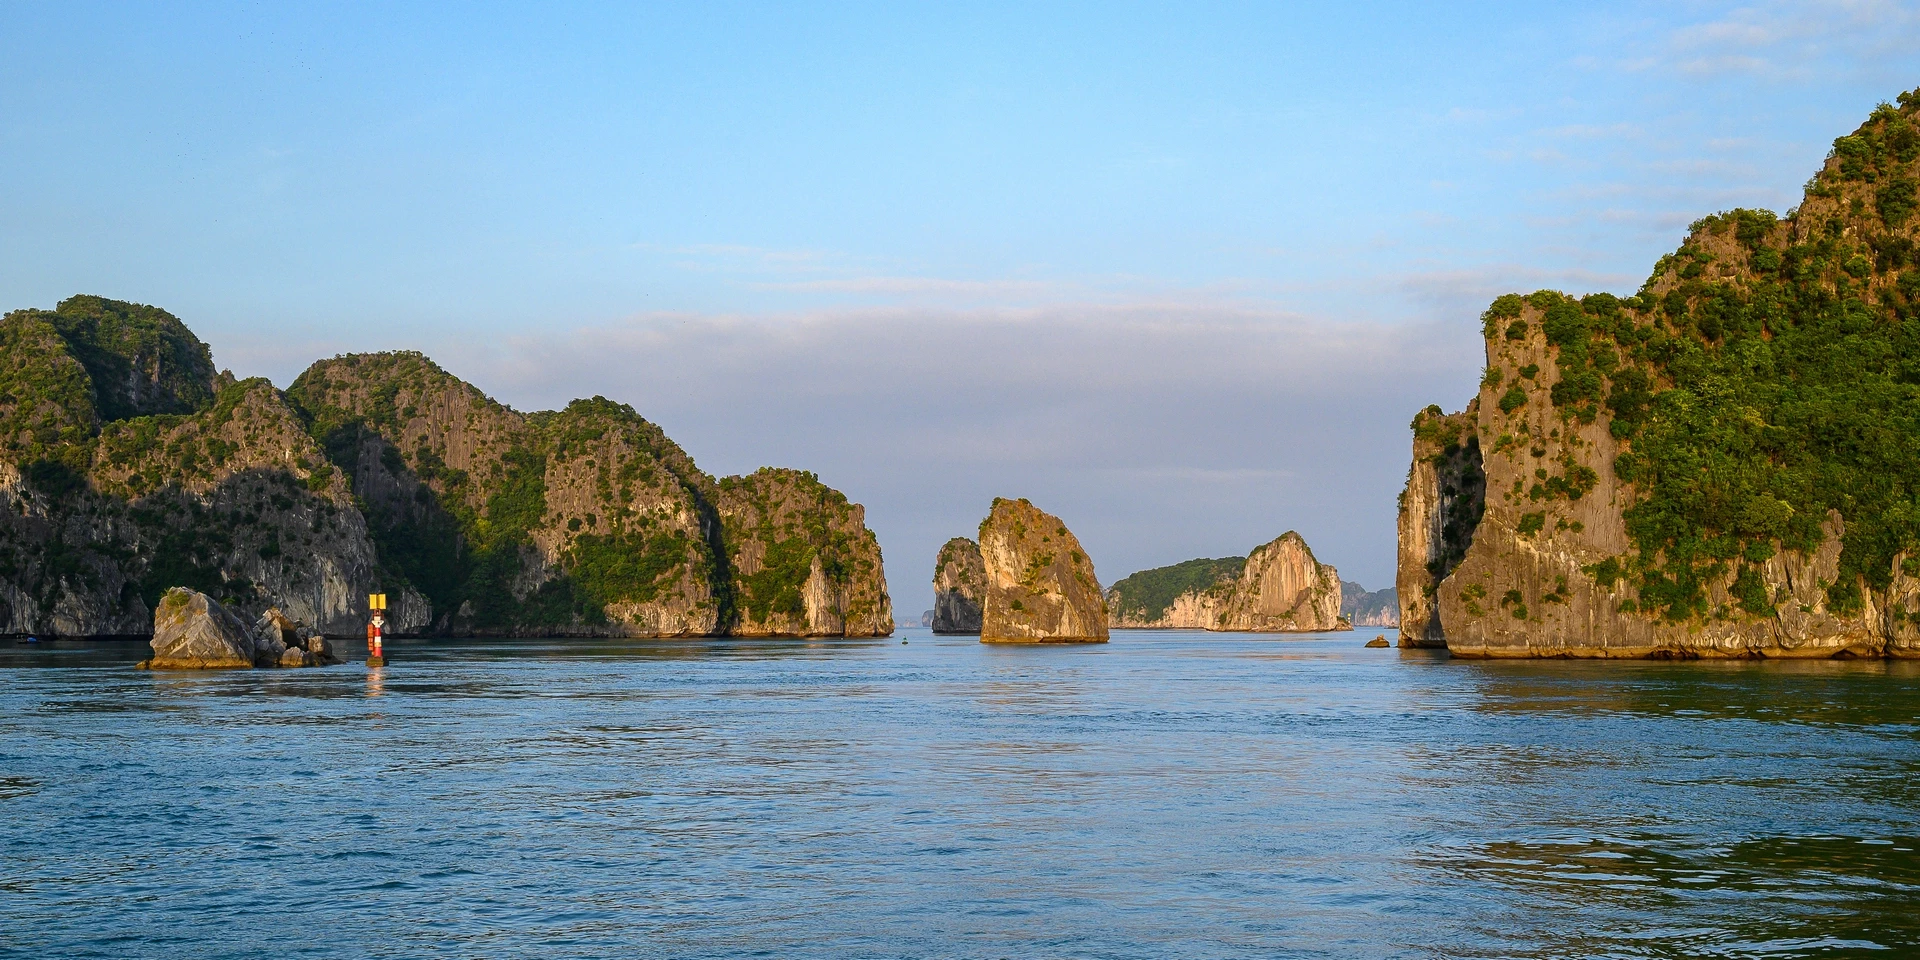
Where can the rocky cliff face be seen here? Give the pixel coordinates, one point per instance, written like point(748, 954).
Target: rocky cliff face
point(1718, 466)
point(1283, 589)
point(959, 580)
point(804, 562)
point(584, 522)
point(1439, 511)
point(1277, 588)
point(1040, 586)
point(126, 468)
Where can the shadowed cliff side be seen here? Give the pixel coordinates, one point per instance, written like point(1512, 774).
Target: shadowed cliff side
point(127, 468)
point(959, 580)
point(1439, 511)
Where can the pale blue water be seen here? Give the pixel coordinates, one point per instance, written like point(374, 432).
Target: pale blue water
point(1166, 795)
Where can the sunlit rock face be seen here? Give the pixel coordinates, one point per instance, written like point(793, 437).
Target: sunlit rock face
point(1687, 472)
point(1040, 585)
point(1279, 587)
point(804, 563)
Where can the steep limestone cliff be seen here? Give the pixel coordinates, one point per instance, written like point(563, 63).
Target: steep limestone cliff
point(1283, 589)
point(1277, 588)
point(1040, 586)
point(1719, 466)
point(803, 560)
point(959, 579)
point(127, 468)
point(1439, 511)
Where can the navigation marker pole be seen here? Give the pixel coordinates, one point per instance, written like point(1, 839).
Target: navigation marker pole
point(377, 603)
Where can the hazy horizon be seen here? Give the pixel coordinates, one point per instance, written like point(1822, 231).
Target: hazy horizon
point(1181, 279)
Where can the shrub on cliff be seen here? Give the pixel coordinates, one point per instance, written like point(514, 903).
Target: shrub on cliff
point(1768, 372)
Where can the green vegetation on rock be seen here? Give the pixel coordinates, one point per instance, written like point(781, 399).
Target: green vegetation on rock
point(1146, 596)
point(791, 520)
point(1766, 374)
point(141, 469)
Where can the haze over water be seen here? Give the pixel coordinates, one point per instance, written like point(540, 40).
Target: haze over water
point(1169, 794)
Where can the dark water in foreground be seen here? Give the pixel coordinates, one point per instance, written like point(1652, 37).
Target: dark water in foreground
point(1170, 794)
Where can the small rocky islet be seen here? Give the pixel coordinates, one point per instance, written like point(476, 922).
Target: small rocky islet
point(1040, 585)
point(1721, 465)
point(129, 467)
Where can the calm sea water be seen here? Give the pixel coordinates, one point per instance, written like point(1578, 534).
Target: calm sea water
point(1167, 795)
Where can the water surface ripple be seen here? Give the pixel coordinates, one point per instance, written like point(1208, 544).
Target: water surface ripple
point(1169, 794)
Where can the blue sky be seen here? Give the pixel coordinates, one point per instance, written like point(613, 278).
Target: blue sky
point(1180, 273)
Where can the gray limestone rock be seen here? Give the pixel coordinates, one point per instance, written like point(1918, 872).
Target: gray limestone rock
point(959, 581)
point(191, 631)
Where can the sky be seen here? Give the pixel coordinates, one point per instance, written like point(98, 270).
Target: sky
point(1179, 273)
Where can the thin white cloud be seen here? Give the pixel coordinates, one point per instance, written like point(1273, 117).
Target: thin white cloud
point(919, 285)
point(1785, 41)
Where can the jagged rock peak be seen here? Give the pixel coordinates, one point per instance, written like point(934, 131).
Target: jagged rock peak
point(1040, 585)
point(959, 582)
point(1284, 589)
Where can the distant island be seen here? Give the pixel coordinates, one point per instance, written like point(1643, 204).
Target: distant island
point(1722, 465)
point(1278, 587)
point(1369, 608)
point(129, 466)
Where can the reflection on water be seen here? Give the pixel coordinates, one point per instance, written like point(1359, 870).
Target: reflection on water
point(1168, 794)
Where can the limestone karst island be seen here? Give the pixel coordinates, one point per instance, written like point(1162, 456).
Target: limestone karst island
point(1721, 465)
